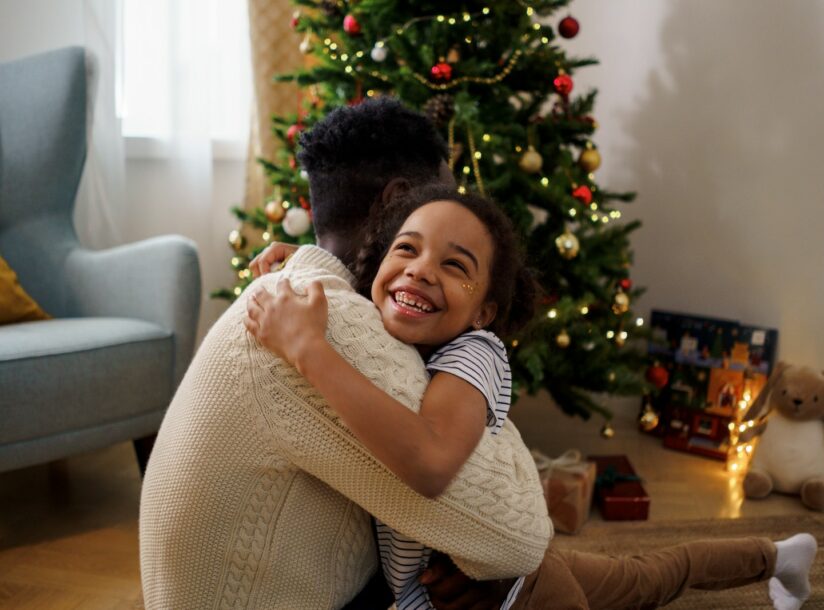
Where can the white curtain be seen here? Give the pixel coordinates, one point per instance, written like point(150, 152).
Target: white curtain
point(186, 108)
point(101, 198)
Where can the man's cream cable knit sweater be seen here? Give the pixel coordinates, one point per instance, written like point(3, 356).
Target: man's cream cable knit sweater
point(255, 494)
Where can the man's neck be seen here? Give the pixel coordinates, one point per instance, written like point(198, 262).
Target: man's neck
point(341, 247)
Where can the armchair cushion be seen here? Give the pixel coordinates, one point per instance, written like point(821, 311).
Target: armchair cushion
point(51, 371)
point(15, 303)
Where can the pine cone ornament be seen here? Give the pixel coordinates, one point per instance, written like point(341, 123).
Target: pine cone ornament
point(440, 109)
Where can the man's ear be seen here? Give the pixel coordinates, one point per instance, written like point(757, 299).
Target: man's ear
point(394, 189)
point(487, 313)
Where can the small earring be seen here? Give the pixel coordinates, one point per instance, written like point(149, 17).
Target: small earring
point(478, 324)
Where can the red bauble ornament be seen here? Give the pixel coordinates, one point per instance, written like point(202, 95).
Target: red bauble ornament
point(563, 84)
point(294, 23)
point(351, 25)
point(442, 71)
point(568, 27)
point(658, 376)
point(583, 194)
point(625, 283)
point(293, 132)
point(293, 163)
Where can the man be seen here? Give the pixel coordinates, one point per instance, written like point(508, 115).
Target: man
point(255, 493)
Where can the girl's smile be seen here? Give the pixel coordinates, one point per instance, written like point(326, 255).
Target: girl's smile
point(432, 284)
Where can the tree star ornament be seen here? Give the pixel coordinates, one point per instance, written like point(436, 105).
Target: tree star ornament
point(567, 244)
point(296, 222)
point(532, 161)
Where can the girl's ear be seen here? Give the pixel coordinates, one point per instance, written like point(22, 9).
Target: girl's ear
point(486, 315)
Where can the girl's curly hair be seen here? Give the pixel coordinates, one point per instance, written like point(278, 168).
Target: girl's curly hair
point(512, 286)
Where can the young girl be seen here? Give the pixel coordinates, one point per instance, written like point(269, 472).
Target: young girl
point(446, 273)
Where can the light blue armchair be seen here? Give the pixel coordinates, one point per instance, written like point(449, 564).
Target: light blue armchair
point(105, 368)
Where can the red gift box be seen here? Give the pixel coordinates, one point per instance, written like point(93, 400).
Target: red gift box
point(618, 490)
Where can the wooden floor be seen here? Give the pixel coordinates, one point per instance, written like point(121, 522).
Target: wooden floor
point(68, 530)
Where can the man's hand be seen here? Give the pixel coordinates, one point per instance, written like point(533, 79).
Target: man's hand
point(451, 589)
point(288, 324)
point(275, 253)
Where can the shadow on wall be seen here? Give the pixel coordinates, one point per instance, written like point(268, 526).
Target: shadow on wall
point(726, 160)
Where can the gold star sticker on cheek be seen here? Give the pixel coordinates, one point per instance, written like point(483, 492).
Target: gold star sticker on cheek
point(470, 288)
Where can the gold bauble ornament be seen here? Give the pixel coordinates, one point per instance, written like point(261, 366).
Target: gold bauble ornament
point(454, 56)
point(237, 241)
point(532, 161)
point(607, 431)
point(567, 244)
point(274, 211)
point(649, 418)
point(563, 339)
point(621, 304)
point(619, 340)
point(590, 159)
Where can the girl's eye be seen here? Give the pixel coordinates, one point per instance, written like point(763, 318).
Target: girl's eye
point(457, 264)
point(404, 247)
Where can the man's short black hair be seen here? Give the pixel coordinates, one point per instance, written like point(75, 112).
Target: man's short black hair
point(355, 151)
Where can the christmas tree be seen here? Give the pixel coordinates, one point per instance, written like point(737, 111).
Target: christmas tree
point(494, 77)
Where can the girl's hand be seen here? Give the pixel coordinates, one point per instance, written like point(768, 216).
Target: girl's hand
point(290, 325)
point(274, 253)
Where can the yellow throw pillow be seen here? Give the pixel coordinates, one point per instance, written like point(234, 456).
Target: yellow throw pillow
point(15, 304)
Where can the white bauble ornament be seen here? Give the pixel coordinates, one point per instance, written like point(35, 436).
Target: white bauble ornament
point(304, 174)
point(296, 222)
point(379, 53)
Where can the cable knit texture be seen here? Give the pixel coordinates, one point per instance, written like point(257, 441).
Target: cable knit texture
point(255, 492)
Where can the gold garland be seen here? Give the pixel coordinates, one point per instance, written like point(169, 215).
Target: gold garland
point(472, 79)
point(451, 144)
point(475, 168)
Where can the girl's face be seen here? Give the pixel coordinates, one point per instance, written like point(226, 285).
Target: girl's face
point(432, 283)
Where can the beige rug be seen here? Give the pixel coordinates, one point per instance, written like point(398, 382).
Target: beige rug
point(617, 537)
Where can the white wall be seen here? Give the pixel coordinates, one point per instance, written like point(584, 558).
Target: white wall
point(709, 110)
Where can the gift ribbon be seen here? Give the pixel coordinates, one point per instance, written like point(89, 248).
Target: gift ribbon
point(570, 461)
point(610, 476)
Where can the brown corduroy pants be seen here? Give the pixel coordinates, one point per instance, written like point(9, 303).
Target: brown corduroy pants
point(569, 580)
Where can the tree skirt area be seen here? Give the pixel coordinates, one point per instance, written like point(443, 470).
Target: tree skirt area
point(631, 537)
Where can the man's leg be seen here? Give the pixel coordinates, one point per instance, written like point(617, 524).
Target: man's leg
point(575, 580)
point(653, 579)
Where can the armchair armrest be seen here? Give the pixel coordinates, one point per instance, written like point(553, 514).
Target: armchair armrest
point(157, 280)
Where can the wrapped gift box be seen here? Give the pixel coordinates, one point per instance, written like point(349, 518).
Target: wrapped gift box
point(618, 491)
point(568, 483)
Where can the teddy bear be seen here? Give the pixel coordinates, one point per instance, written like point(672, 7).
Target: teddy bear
point(789, 457)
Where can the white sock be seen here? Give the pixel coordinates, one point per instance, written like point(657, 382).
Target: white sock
point(790, 585)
